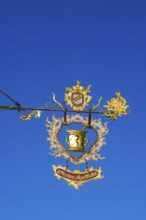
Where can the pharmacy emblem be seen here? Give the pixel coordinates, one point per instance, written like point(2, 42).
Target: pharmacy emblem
point(79, 148)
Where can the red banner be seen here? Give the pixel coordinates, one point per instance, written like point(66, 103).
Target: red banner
point(77, 176)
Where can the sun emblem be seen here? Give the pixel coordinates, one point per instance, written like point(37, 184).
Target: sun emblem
point(77, 97)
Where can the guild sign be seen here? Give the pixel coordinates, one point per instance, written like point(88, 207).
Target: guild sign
point(77, 151)
point(76, 146)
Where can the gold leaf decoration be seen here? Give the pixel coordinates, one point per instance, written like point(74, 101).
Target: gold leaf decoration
point(29, 116)
point(116, 107)
point(26, 117)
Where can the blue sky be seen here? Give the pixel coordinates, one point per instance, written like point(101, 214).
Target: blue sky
point(46, 46)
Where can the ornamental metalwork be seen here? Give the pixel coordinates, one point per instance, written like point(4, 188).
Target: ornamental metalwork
point(77, 97)
point(77, 147)
point(54, 126)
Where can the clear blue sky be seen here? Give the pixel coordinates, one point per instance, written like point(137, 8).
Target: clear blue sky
point(44, 47)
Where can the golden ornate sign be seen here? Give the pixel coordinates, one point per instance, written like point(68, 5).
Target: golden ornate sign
point(77, 97)
point(76, 152)
point(78, 149)
point(77, 143)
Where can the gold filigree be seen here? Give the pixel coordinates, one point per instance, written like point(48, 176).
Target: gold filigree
point(26, 117)
point(29, 116)
point(77, 97)
point(55, 126)
point(116, 107)
point(74, 177)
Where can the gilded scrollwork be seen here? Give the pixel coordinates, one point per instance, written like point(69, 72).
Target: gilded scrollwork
point(54, 127)
point(116, 107)
point(29, 116)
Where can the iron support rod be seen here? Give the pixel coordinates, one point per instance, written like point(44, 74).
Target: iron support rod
point(21, 108)
point(9, 97)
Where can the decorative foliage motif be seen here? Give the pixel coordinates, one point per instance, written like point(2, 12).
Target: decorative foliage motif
point(77, 97)
point(29, 116)
point(58, 150)
point(116, 107)
point(77, 178)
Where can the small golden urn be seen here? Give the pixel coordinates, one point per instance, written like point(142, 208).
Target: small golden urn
point(77, 140)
